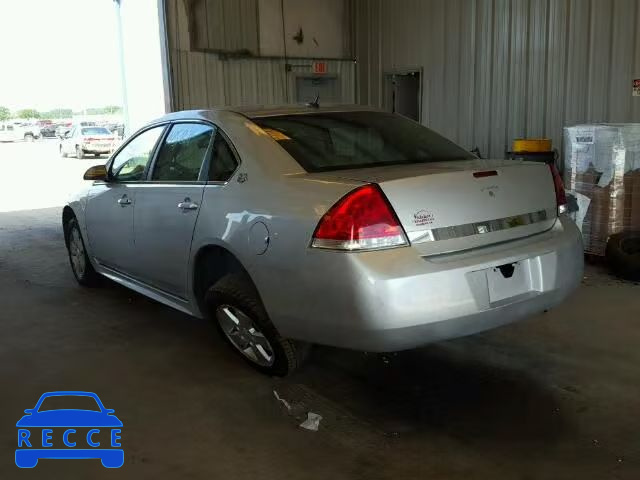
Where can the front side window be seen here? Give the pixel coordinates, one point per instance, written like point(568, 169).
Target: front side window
point(342, 140)
point(131, 162)
point(180, 157)
point(224, 161)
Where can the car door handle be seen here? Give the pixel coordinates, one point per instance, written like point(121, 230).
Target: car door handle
point(124, 201)
point(188, 205)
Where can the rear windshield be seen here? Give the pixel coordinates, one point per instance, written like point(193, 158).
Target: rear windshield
point(95, 131)
point(342, 140)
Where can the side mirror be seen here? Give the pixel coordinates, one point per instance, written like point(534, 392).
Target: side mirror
point(109, 411)
point(97, 172)
point(29, 411)
point(67, 134)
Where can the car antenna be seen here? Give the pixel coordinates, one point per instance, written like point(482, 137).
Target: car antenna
point(315, 103)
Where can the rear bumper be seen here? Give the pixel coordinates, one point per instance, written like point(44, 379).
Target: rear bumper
point(96, 150)
point(396, 299)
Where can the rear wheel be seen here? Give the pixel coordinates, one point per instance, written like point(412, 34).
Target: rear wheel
point(79, 152)
point(234, 305)
point(78, 258)
point(62, 154)
point(28, 137)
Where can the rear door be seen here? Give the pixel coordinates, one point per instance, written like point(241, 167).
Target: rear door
point(109, 212)
point(167, 207)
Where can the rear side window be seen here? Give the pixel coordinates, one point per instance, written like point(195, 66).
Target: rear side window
point(224, 162)
point(130, 163)
point(342, 140)
point(181, 156)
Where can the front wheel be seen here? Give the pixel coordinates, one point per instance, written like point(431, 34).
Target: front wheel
point(62, 154)
point(79, 153)
point(234, 305)
point(29, 138)
point(78, 258)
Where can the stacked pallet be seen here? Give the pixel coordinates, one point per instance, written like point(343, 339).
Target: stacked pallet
point(602, 169)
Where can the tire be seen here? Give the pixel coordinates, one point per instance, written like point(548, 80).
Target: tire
point(79, 153)
point(623, 255)
point(235, 293)
point(28, 138)
point(78, 258)
point(62, 154)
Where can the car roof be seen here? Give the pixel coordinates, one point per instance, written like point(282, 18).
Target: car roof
point(259, 111)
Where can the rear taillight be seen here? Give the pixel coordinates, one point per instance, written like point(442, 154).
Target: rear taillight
point(361, 220)
point(561, 197)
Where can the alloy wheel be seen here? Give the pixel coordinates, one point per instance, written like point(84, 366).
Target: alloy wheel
point(76, 253)
point(245, 335)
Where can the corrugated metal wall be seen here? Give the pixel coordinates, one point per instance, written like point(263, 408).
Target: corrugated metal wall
point(204, 80)
point(495, 70)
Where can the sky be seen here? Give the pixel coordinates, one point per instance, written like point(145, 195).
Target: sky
point(58, 54)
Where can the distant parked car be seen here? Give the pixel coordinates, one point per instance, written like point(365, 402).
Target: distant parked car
point(117, 129)
point(341, 226)
point(81, 141)
point(62, 130)
point(12, 131)
point(31, 131)
point(48, 131)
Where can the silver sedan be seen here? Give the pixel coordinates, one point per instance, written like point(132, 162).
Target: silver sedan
point(346, 226)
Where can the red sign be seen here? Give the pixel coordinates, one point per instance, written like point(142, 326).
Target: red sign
point(320, 68)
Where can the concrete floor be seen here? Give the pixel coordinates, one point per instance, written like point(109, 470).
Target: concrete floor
point(556, 396)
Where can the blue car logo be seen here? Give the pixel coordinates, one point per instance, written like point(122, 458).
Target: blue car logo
point(69, 433)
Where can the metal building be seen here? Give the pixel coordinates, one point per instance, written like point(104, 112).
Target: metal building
point(495, 70)
point(482, 72)
point(230, 52)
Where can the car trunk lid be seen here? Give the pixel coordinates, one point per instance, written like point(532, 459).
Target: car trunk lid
point(457, 205)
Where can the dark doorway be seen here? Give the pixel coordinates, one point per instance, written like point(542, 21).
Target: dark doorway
point(403, 93)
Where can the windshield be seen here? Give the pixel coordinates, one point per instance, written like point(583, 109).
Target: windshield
point(342, 140)
point(66, 402)
point(95, 131)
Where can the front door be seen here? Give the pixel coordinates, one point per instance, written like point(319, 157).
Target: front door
point(167, 207)
point(110, 205)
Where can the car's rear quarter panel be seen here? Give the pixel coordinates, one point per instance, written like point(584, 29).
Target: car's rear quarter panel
point(379, 300)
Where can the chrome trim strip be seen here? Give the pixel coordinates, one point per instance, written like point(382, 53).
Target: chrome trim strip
point(480, 228)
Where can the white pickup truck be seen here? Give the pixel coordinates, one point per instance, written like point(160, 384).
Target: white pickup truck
point(13, 131)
